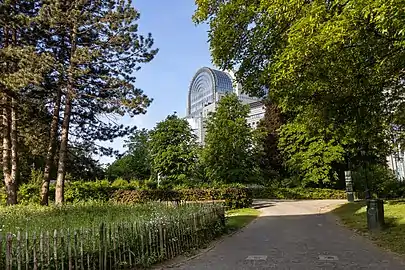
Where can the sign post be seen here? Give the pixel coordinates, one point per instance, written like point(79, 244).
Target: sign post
point(349, 186)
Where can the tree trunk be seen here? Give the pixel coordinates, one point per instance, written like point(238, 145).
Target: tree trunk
point(60, 180)
point(11, 189)
point(14, 150)
point(50, 155)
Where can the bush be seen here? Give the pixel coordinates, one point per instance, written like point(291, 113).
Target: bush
point(86, 191)
point(233, 197)
point(297, 193)
point(28, 193)
point(120, 183)
point(381, 182)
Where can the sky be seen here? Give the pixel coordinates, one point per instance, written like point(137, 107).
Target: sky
point(183, 49)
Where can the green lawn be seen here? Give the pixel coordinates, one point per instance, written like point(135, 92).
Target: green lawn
point(238, 218)
point(391, 238)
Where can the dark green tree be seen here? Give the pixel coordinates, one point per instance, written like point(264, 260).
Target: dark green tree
point(21, 66)
point(173, 149)
point(135, 164)
point(228, 151)
point(270, 159)
point(97, 49)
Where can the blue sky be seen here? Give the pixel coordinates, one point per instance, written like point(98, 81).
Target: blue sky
point(183, 49)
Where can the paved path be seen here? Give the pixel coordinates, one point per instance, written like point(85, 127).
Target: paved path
point(292, 235)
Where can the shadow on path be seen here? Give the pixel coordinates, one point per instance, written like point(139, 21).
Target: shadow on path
point(294, 235)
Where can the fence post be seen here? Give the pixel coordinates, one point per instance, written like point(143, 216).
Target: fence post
point(41, 249)
point(18, 250)
point(55, 248)
point(162, 252)
point(9, 252)
point(48, 249)
point(101, 237)
point(34, 251)
point(69, 248)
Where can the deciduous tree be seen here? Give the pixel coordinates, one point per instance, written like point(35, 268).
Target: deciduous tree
point(227, 154)
point(173, 149)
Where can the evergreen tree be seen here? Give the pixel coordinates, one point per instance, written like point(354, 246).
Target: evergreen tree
point(228, 151)
point(21, 66)
point(97, 50)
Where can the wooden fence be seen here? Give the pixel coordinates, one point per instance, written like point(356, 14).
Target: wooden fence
point(110, 246)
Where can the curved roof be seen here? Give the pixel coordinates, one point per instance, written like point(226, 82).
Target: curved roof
point(206, 82)
point(219, 80)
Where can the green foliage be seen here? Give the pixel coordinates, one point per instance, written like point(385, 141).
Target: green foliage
point(334, 67)
point(173, 149)
point(269, 157)
point(226, 155)
point(135, 164)
point(190, 226)
point(380, 181)
point(28, 193)
point(119, 183)
point(297, 193)
point(36, 176)
point(233, 197)
point(310, 155)
point(87, 191)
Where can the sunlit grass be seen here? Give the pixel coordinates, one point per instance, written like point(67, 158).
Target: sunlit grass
point(392, 237)
point(36, 218)
point(236, 219)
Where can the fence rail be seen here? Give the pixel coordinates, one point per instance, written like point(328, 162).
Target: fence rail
point(110, 246)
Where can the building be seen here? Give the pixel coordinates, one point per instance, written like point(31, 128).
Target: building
point(207, 87)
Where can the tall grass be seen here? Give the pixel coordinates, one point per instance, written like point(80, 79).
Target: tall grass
point(103, 236)
point(34, 218)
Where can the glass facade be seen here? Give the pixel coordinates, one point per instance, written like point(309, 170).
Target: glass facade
point(204, 86)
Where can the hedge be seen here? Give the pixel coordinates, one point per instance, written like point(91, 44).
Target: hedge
point(297, 193)
point(232, 197)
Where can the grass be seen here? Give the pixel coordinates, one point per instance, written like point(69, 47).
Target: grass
point(391, 238)
point(33, 218)
point(238, 218)
point(107, 234)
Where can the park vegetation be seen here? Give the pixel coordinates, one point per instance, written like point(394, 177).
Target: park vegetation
point(330, 74)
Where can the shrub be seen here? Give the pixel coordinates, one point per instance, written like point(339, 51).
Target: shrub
point(120, 183)
point(28, 193)
point(85, 191)
point(380, 180)
point(233, 197)
point(297, 193)
point(237, 197)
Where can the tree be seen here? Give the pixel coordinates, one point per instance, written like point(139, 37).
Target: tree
point(173, 149)
point(270, 159)
point(335, 67)
point(21, 66)
point(97, 50)
point(227, 154)
point(135, 164)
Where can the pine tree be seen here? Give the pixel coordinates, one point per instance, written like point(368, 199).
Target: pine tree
point(21, 66)
point(101, 49)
